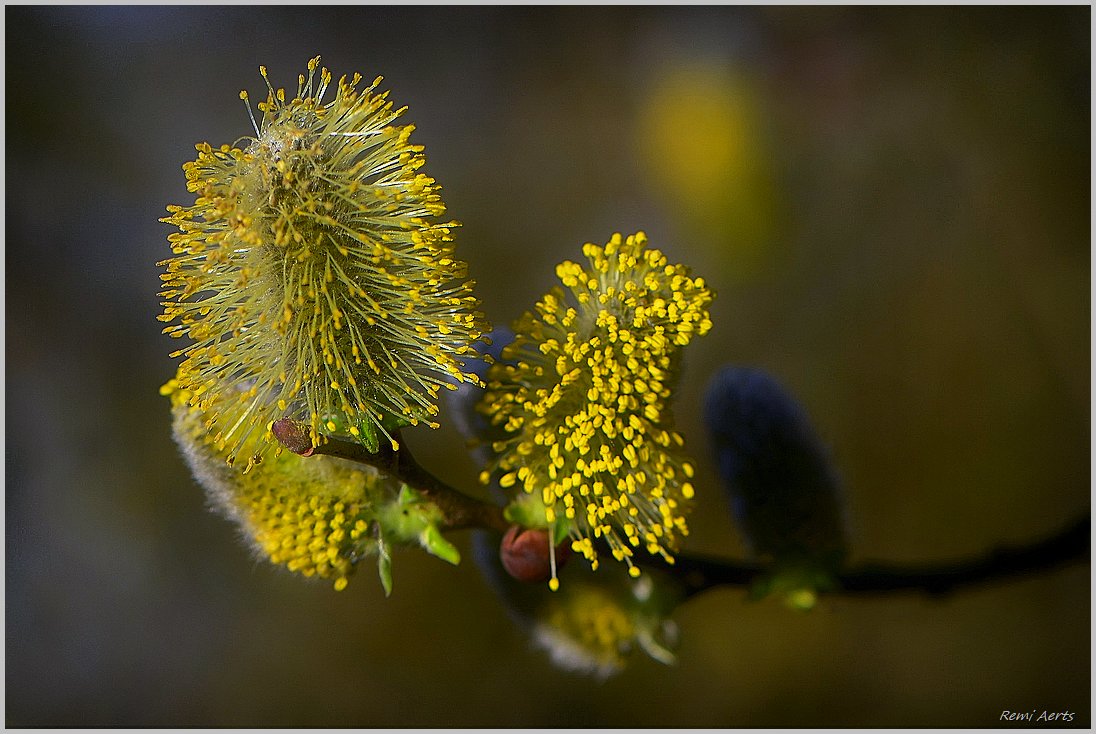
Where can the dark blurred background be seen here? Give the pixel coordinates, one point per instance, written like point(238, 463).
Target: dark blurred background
point(893, 206)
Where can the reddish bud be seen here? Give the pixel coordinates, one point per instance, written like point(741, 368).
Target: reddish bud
point(525, 554)
point(294, 436)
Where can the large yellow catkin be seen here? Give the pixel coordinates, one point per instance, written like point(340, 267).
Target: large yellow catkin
point(312, 276)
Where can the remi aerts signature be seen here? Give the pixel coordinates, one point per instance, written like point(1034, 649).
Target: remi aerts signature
point(1036, 715)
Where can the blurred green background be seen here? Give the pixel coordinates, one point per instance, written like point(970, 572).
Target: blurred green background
point(893, 206)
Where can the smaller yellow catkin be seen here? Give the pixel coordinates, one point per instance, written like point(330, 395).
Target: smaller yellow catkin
point(594, 629)
point(311, 515)
point(582, 394)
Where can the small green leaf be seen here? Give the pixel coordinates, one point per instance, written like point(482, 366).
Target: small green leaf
point(408, 496)
point(798, 583)
point(365, 431)
point(654, 648)
point(411, 518)
point(527, 510)
point(392, 422)
point(384, 565)
point(560, 530)
point(435, 544)
point(367, 436)
point(802, 599)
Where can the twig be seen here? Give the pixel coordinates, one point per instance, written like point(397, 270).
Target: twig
point(1071, 544)
point(459, 510)
point(698, 573)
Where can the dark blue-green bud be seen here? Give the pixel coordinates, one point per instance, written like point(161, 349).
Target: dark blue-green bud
point(785, 494)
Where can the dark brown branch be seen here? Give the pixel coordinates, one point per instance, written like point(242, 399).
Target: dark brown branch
point(1070, 545)
point(459, 510)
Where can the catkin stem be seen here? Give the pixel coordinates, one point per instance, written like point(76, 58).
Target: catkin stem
point(458, 509)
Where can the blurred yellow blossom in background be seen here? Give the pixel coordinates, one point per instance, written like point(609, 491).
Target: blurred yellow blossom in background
point(700, 132)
